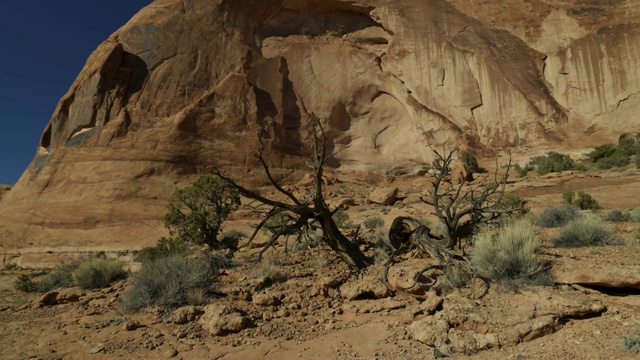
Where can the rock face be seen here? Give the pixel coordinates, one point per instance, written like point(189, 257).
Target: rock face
point(186, 86)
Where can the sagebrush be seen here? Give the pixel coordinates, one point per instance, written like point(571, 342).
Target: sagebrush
point(509, 256)
point(557, 216)
point(171, 281)
point(97, 273)
point(585, 231)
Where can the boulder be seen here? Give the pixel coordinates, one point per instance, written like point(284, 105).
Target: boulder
point(384, 196)
point(48, 299)
point(185, 314)
point(221, 319)
point(367, 288)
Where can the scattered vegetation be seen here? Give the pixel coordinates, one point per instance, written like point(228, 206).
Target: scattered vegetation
point(61, 276)
point(618, 216)
point(171, 281)
point(557, 216)
point(164, 247)
point(509, 256)
point(342, 220)
point(552, 162)
point(583, 201)
point(97, 272)
point(24, 283)
point(195, 214)
point(610, 156)
point(585, 231)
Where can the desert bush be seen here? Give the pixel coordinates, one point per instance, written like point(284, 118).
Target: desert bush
point(164, 247)
point(583, 201)
point(522, 170)
point(585, 231)
point(552, 162)
point(632, 342)
point(97, 273)
point(609, 156)
point(508, 256)
point(195, 213)
point(618, 216)
point(635, 214)
point(25, 284)
point(601, 152)
point(60, 276)
point(171, 281)
point(557, 216)
point(469, 162)
point(373, 222)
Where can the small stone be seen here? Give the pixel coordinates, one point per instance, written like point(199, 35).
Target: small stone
point(97, 349)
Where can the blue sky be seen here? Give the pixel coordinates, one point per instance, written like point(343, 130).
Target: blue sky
point(43, 46)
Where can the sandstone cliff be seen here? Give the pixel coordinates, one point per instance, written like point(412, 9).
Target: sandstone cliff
point(188, 85)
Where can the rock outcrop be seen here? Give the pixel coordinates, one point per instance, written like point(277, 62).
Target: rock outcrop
point(187, 86)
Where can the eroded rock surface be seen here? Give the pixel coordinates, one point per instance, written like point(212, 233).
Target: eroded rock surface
point(186, 86)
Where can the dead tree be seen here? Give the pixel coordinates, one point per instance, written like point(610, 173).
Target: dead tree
point(300, 214)
point(464, 207)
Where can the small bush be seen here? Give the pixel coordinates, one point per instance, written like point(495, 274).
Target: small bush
point(164, 247)
point(586, 202)
point(585, 231)
point(557, 216)
point(25, 284)
point(632, 342)
point(509, 256)
point(618, 216)
point(469, 162)
point(97, 273)
point(635, 214)
point(583, 201)
point(60, 276)
point(170, 281)
point(373, 222)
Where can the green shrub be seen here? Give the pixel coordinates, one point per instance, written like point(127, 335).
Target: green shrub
point(97, 273)
point(617, 159)
point(635, 214)
point(553, 162)
point(60, 276)
point(583, 201)
point(170, 281)
point(632, 342)
point(25, 284)
point(618, 216)
point(469, 162)
point(164, 247)
point(609, 156)
point(509, 256)
point(557, 216)
point(585, 231)
point(522, 170)
point(195, 214)
point(601, 152)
